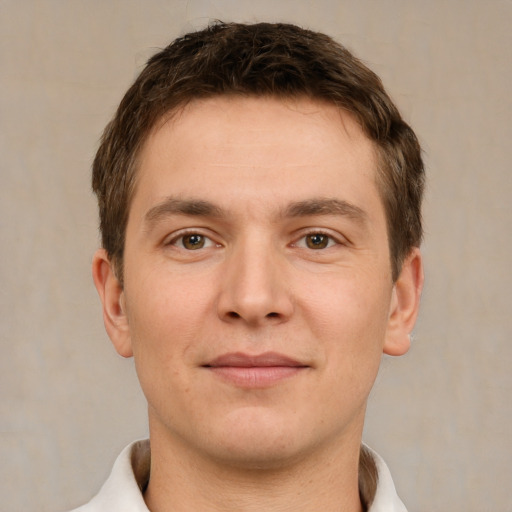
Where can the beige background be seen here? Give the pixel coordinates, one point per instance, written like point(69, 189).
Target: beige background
point(440, 416)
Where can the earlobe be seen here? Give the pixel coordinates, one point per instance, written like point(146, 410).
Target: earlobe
point(112, 298)
point(405, 304)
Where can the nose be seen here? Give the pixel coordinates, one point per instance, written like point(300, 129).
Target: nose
point(254, 287)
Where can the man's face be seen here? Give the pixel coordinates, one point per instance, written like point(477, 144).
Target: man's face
point(258, 296)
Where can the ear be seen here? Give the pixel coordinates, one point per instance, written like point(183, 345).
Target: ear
point(112, 298)
point(405, 304)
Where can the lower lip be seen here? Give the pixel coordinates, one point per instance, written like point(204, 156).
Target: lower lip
point(255, 376)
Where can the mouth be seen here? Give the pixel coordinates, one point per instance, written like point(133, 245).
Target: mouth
point(254, 371)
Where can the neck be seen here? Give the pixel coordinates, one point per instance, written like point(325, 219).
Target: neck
point(182, 480)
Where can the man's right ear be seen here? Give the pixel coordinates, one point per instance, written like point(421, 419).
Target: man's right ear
point(112, 298)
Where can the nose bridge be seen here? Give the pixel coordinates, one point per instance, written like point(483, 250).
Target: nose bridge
point(254, 288)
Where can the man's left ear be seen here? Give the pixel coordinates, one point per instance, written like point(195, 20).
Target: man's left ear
point(405, 304)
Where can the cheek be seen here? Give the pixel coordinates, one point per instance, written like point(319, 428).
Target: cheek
point(166, 318)
point(349, 319)
point(349, 297)
point(164, 333)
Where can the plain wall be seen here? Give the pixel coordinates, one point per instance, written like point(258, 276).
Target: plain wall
point(440, 415)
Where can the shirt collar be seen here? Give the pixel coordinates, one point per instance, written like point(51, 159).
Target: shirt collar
point(130, 475)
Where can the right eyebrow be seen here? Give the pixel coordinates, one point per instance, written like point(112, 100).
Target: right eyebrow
point(175, 206)
point(326, 206)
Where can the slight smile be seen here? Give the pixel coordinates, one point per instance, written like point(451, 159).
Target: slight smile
point(254, 371)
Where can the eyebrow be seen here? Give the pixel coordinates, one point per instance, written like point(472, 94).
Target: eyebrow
point(176, 206)
point(326, 206)
point(200, 208)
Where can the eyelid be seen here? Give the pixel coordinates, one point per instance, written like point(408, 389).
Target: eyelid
point(336, 237)
point(173, 238)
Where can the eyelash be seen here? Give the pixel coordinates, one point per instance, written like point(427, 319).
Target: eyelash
point(181, 236)
point(178, 240)
point(330, 240)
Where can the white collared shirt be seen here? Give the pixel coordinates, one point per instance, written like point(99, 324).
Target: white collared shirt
point(123, 491)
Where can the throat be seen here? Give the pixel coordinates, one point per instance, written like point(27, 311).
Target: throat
point(183, 486)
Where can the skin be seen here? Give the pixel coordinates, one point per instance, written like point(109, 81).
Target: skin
point(256, 227)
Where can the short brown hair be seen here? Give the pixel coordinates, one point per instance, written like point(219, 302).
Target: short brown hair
point(261, 59)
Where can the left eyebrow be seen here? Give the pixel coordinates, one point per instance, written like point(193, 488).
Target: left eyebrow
point(326, 206)
point(177, 206)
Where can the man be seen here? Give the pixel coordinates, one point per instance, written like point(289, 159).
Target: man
point(259, 200)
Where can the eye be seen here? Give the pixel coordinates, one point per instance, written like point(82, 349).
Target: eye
point(192, 241)
point(316, 241)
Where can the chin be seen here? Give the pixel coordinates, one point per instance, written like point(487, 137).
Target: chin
point(254, 456)
point(260, 443)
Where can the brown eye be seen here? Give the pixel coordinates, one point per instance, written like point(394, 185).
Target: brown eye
point(193, 241)
point(317, 241)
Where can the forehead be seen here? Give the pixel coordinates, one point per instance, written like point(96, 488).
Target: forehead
point(275, 122)
point(267, 149)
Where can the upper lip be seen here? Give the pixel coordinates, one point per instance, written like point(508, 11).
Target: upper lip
point(241, 360)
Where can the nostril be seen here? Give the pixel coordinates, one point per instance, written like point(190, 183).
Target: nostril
point(272, 315)
point(233, 314)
